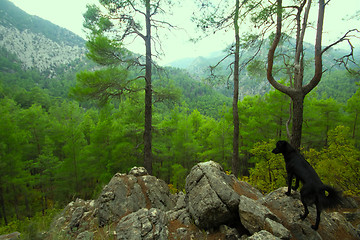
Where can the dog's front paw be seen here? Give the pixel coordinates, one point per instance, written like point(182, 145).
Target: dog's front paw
point(303, 216)
point(288, 193)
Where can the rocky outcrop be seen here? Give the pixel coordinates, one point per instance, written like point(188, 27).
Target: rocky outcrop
point(215, 206)
point(35, 51)
point(128, 193)
point(143, 224)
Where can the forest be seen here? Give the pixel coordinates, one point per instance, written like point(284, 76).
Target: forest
point(62, 138)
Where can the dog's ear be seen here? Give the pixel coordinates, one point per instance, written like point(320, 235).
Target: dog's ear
point(287, 147)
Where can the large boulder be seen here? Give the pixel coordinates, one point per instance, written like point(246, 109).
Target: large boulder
point(253, 214)
point(143, 224)
point(77, 217)
point(289, 208)
point(212, 195)
point(127, 193)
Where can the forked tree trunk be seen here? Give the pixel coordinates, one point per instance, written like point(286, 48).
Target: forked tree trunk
point(298, 92)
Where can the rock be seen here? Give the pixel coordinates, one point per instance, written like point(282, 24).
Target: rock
point(277, 229)
point(352, 217)
point(138, 171)
point(35, 51)
point(349, 202)
point(230, 233)
point(253, 214)
point(263, 235)
point(180, 211)
point(289, 208)
point(128, 193)
point(211, 197)
point(143, 224)
point(76, 217)
point(139, 206)
point(244, 188)
point(85, 236)
point(10, 236)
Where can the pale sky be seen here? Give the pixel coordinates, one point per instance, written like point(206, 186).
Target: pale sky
point(68, 14)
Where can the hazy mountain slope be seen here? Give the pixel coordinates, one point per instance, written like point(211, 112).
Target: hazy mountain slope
point(251, 84)
point(37, 43)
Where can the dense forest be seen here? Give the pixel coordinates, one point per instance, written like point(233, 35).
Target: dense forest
point(57, 145)
point(54, 149)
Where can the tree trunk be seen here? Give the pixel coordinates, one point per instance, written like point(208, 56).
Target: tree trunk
point(297, 119)
point(148, 95)
point(354, 128)
point(235, 156)
point(2, 203)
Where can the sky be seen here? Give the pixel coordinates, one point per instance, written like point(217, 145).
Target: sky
point(176, 45)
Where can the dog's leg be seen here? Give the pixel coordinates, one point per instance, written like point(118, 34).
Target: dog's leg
point(303, 216)
point(306, 210)
point(318, 212)
point(296, 184)
point(290, 177)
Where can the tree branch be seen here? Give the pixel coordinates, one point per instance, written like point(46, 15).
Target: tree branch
point(318, 53)
point(271, 53)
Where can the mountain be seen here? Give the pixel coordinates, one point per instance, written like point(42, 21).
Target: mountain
point(37, 43)
point(252, 84)
point(38, 56)
point(37, 51)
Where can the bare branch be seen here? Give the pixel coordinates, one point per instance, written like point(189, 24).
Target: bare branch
point(135, 9)
point(343, 38)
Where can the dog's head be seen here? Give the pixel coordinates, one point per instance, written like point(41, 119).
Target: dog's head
point(282, 147)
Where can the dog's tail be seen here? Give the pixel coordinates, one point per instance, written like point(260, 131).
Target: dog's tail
point(330, 197)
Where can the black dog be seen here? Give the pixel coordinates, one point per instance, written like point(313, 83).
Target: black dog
point(313, 190)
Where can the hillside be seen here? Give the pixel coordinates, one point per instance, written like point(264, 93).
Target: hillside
point(36, 53)
point(252, 84)
point(37, 43)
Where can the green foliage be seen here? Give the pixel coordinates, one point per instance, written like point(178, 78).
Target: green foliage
point(102, 85)
point(269, 172)
point(105, 52)
point(178, 175)
point(31, 229)
point(94, 21)
point(338, 164)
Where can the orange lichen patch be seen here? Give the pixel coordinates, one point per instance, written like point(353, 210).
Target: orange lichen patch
point(216, 236)
point(129, 184)
point(192, 232)
point(340, 233)
point(239, 189)
point(144, 191)
point(173, 226)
